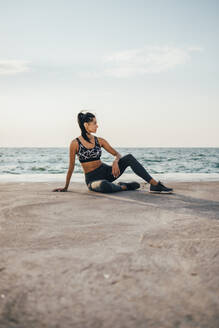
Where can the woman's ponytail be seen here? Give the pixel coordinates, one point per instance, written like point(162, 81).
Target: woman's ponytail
point(82, 118)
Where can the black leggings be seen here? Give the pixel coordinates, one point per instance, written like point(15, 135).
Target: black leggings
point(100, 179)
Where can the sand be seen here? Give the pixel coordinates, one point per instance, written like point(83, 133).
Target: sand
point(127, 259)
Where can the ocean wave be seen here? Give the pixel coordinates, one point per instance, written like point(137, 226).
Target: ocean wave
point(34, 168)
point(10, 172)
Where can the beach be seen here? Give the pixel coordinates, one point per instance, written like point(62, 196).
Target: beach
point(127, 259)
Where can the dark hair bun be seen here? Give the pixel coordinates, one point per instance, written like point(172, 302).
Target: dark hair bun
point(85, 117)
point(81, 116)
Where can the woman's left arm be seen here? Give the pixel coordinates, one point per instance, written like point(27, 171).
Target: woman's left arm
point(118, 156)
point(110, 149)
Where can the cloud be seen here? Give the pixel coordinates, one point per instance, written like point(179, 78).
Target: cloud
point(10, 67)
point(147, 60)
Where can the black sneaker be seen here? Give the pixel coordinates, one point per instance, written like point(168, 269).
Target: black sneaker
point(130, 185)
point(160, 188)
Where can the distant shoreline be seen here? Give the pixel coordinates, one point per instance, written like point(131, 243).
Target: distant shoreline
point(79, 177)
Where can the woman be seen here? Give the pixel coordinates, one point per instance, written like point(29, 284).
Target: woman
point(99, 176)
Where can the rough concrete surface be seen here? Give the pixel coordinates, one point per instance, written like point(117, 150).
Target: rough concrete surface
point(128, 259)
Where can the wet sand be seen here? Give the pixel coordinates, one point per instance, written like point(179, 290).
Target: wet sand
point(128, 259)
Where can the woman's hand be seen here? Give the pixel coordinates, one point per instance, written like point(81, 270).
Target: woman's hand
point(115, 169)
point(61, 189)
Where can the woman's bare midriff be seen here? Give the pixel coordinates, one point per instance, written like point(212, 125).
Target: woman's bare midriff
point(90, 166)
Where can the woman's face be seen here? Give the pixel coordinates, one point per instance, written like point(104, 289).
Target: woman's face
point(92, 126)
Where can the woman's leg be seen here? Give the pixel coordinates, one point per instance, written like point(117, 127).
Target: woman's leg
point(104, 186)
point(130, 160)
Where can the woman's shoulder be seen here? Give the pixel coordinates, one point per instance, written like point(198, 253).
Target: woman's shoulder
point(74, 141)
point(74, 144)
point(100, 140)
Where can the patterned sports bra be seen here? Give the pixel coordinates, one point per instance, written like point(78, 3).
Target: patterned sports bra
point(88, 155)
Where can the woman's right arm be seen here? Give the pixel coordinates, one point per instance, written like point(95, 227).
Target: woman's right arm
point(72, 153)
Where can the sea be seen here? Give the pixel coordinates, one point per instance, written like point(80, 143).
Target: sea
point(164, 164)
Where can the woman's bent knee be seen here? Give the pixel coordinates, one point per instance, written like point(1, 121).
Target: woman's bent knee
point(106, 186)
point(128, 157)
point(100, 186)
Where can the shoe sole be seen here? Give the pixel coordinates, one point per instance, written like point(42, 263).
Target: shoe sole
point(161, 192)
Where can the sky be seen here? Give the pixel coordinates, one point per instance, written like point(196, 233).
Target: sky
point(147, 69)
